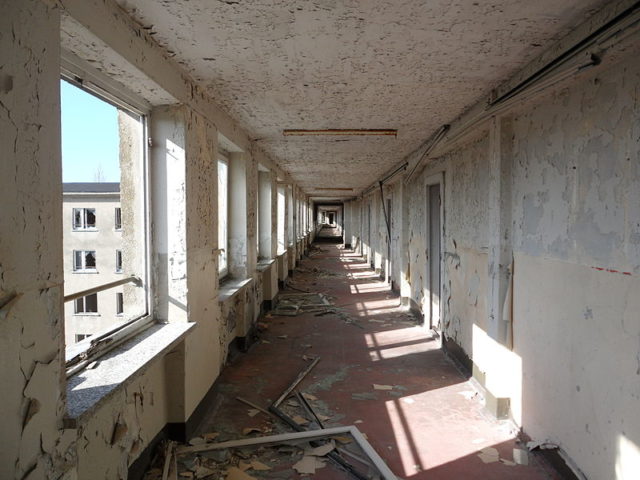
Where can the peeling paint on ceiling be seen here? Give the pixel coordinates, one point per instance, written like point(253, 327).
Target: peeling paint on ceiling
point(410, 65)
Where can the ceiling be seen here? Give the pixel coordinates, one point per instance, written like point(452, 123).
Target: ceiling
point(407, 65)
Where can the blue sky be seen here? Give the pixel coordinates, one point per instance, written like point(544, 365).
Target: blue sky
point(89, 137)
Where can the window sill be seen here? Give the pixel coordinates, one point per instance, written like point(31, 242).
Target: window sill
point(79, 272)
point(264, 264)
point(230, 288)
point(89, 389)
point(87, 314)
point(85, 230)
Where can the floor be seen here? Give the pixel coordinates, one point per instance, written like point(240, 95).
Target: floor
point(423, 418)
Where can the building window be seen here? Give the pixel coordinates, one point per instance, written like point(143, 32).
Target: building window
point(118, 261)
point(119, 303)
point(223, 216)
point(281, 219)
point(118, 219)
point(82, 336)
point(119, 133)
point(84, 260)
point(88, 304)
point(84, 218)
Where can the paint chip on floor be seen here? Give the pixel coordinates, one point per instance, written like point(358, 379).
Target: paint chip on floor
point(489, 455)
point(382, 387)
point(234, 473)
point(308, 465)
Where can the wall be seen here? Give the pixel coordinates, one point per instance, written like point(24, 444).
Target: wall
point(576, 205)
point(568, 207)
point(31, 264)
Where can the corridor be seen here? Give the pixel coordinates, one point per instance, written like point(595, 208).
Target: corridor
point(432, 206)
point(430, 424)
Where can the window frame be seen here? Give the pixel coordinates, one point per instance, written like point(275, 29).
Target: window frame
point(84, 227)
point(117, 218)
point(84, 311)
point(118, 268)
point(81, 74)
point(223, 271)
point(119, 304)
point(82, 268)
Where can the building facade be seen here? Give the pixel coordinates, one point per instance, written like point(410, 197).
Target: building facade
point(92, 242)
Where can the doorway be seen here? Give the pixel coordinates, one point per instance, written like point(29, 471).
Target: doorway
point(434, 253)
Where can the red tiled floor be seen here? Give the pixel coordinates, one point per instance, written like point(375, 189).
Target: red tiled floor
point(428, 426)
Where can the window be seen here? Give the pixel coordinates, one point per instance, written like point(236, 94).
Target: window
point(88, 304)
point(93, 156)
point(281, 219)
point(82, 336)
point(84, 218)
point(84, 260)
point(118, 218)
point(118, 261)
point(119, 303)
point(223, 216)
point(290, 240)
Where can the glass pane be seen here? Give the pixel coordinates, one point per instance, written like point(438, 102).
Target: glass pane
point(77, 218)
point(91, 196)
point(77, 260)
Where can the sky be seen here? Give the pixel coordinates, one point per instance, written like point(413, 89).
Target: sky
point(90, 140)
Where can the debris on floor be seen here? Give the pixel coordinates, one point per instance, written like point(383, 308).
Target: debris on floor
point(293, 304)
point(309, 449)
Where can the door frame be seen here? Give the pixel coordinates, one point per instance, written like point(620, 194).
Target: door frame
point(436, 179)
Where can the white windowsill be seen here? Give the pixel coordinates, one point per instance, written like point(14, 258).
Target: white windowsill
point(89, 389)
point(230, 287)
point(87, 314)
point(264, 264)
point(84, 230)
point(85, 271)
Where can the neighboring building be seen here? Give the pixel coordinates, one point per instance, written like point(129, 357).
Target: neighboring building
point(92, 226)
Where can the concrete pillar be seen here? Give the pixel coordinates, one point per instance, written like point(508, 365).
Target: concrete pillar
point(500, 253)
point(265, 216)
point(184, 169)
point(239, 267)
point(31, 264)
point(403, 243)
point(281, 223)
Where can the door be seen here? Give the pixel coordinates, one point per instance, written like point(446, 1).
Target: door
point(435, 255)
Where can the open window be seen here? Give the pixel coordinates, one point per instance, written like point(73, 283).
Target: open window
point(223, 216)
point(281, 219)
point(104, 169)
